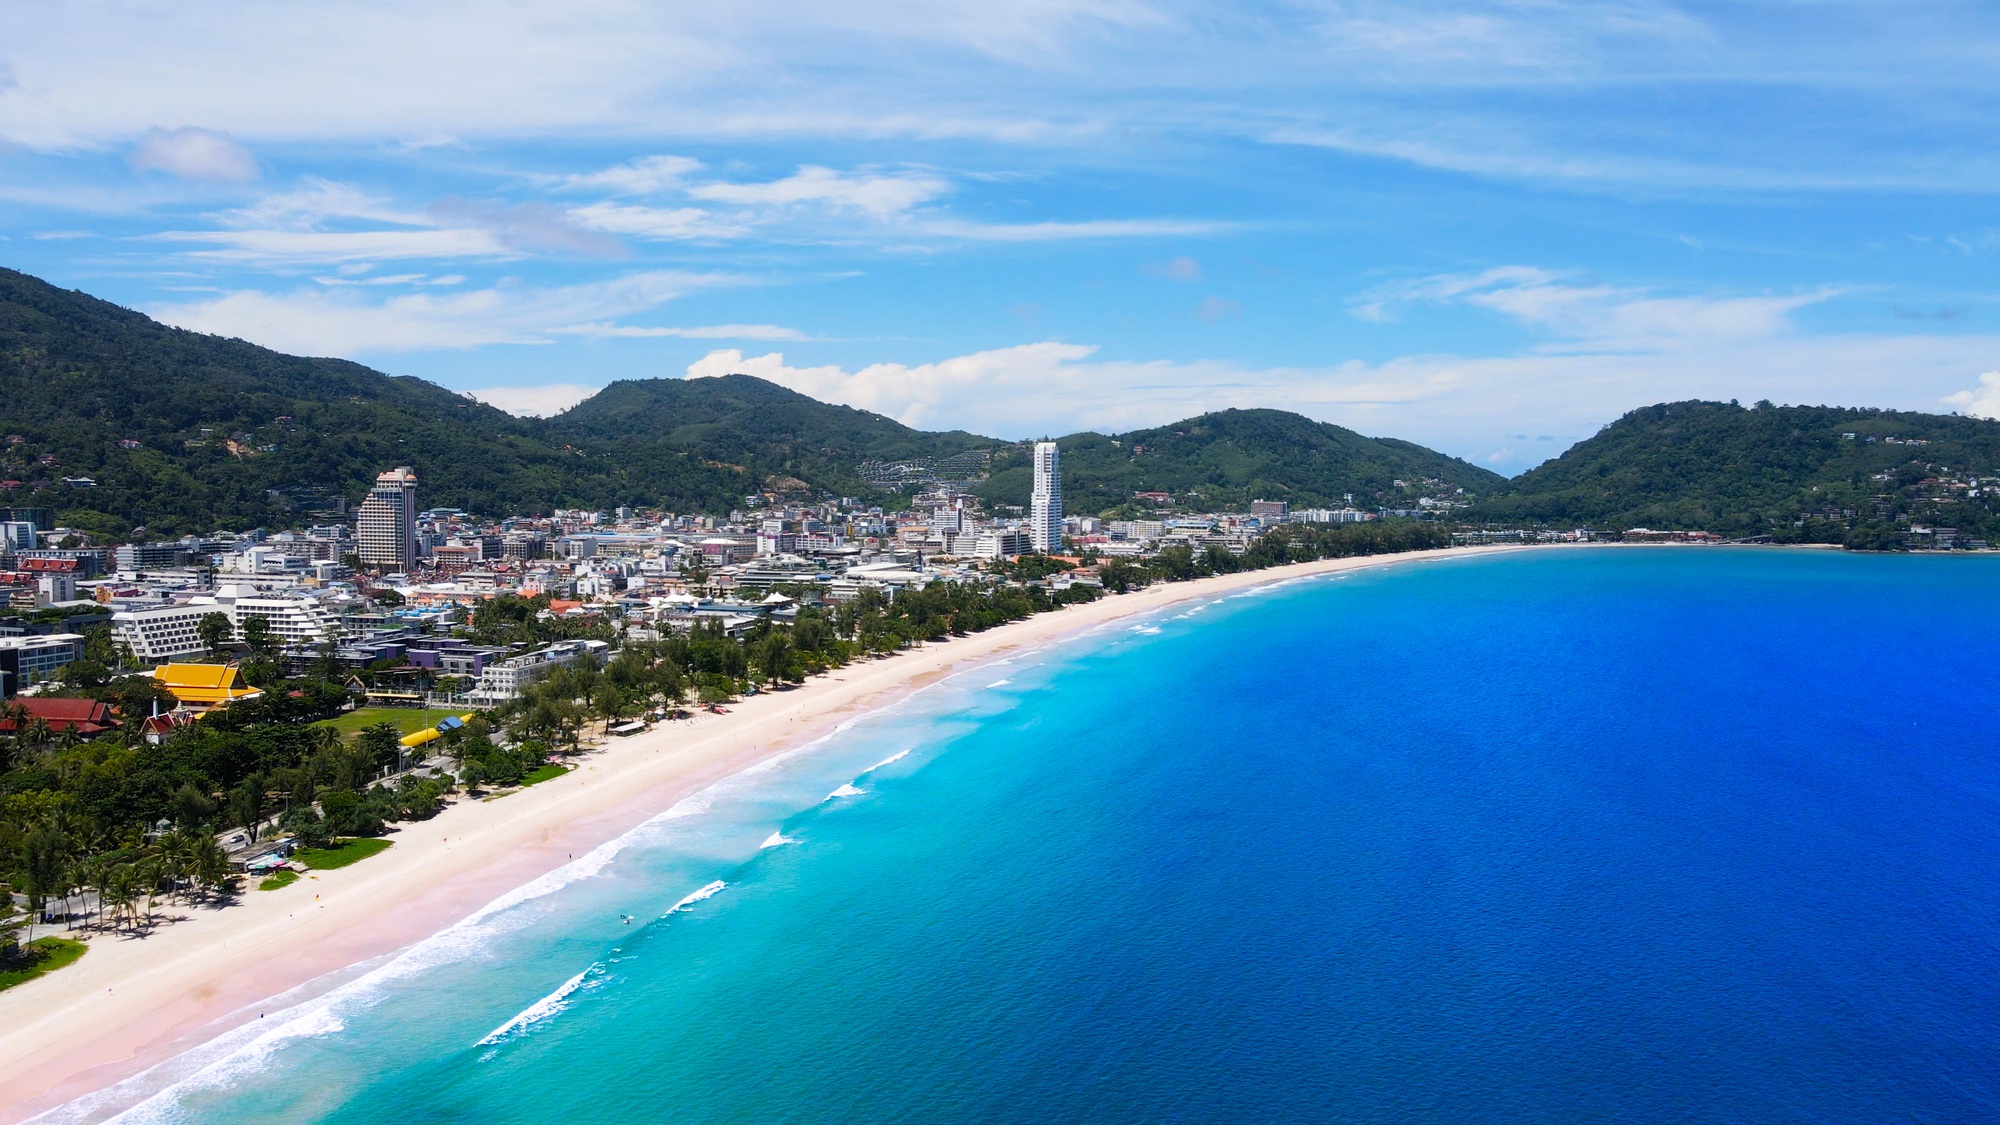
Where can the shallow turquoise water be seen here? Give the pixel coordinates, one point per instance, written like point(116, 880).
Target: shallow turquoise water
point(1634, 835)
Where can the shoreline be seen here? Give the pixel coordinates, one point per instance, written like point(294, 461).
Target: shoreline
point(139, 1000)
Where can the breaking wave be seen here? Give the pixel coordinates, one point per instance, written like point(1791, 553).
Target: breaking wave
point(693, 897)
point(896, 757)
point(541, 1009)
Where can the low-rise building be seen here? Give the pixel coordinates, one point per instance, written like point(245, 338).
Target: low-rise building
point(204, 687)
point(503, 681)
point(25, 661)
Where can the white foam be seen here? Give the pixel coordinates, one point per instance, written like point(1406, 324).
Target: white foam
point(776, 840)
point(693, 897)
point(156, 1093)
point(541, 1009)
point(999, 683)
point(896, 757)
point(1146, 630)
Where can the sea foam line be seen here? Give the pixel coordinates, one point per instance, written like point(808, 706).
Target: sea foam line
point(845, 791)
point(541, 1009)
point(776, 840)
point(896, 757)
point(692, 897)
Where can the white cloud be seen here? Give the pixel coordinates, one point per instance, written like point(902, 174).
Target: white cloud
point(348, 322)
point(314, 201)
point(645, 176)
point(393, 279)
point(1182, 268)
point(880, 195)
point(662, 223)
point(1596, 316)
point(534, 402)
point(1982, 401)
point(194, 154)
point(1089, 228)
point(291, 228)
point(293, 247)
point(1454, 403)
point(699, 332)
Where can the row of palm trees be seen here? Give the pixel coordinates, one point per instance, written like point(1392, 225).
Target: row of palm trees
point(120, 886)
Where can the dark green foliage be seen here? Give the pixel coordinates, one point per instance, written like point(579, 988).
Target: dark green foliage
point(1784, 471)
point(744, 421)
point(221, 421)
point(231, 436)
point(1227, 459)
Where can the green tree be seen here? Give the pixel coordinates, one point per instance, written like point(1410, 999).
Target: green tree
point(215, 632)
point(191, 807)
point(257, 634)
point(11, 921)
point(246, 805)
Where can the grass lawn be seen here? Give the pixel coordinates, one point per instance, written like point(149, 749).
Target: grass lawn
point(341, 854)
point(407, 719)
point(279, 878)
point(46, 956)
point(543, 773)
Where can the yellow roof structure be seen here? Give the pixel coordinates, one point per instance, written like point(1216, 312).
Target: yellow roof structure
point(204, 685)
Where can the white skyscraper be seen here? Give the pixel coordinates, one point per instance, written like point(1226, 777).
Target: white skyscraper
point(1045, 518)
point(386, 525)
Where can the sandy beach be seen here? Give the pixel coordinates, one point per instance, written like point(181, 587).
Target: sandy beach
point(135, 1001)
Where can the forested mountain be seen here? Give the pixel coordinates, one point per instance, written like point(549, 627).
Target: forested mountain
point(745, 421)
point(187, 432)
point(1806, 473)
point(182, 432)
point(1230, 458)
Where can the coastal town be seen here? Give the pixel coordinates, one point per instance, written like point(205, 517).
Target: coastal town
point(210, 717)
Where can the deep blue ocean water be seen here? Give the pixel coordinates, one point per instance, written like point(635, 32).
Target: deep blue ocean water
point(1661, 835)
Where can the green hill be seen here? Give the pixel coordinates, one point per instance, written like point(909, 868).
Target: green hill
point(1230, 458)
point(741, 420)
point(1786, 471)
point(183, 432)
point(220, 424)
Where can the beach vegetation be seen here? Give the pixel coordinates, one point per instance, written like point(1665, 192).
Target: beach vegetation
point(279, 879)
point(39, 958)
point(544, 773)
point(339, 854)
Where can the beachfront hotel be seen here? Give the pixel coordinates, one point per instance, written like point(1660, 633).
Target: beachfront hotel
point(386, 526)
point(1045, 516)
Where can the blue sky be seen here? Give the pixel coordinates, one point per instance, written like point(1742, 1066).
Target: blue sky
point(1488, 227)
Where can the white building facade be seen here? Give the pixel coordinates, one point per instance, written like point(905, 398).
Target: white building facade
point(504, 681)
point(31, 660)
point(385, 526)
point(1045, 513)
point(171, 632)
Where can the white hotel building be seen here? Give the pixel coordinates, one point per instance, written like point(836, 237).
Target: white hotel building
point(1045, 513)
point(171, 632)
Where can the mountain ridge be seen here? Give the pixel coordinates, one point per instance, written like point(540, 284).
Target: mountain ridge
point(1790, 472)
point(129, 426)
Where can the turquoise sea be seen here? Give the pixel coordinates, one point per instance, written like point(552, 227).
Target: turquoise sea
point(1627, 835)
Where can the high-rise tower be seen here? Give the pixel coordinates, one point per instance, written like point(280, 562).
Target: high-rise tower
point(1045, 517)
point(386, 524)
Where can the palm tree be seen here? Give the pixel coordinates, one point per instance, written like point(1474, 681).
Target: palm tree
point(147, 873)
point(209, 864)
point(114, 889)
point(35, 733)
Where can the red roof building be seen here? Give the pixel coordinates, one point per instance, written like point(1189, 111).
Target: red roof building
point(84, 716)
